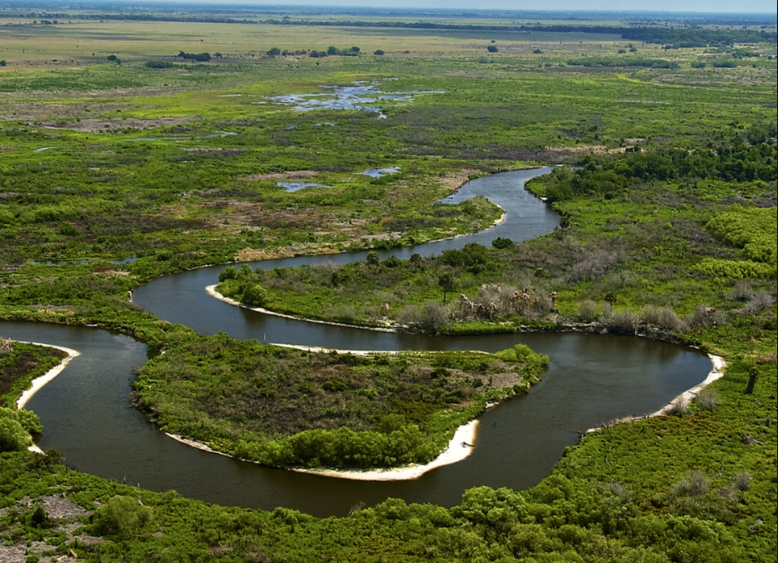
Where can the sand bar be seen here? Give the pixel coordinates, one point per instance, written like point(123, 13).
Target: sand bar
point(459, 448)
point(39, 382)
point(211, 290)
point(684, 398)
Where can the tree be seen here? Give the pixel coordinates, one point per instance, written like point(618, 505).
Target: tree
point(492, 48)
point(446, 283)
point(12, 436)
point(501, 243)
point(355, 49)
point(228, 273)
point(372, 258)
point(254, 296)
point(378, 52)
point(275, 51)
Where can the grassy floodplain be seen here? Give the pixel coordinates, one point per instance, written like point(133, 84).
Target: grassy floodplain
point(669, 230)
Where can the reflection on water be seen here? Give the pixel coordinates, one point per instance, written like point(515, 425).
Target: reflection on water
point(292, 187)
point(359, 98)
point(379, 172)
point(86, 414)
point(591, 379)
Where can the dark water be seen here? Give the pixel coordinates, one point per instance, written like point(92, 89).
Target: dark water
point(591, 379)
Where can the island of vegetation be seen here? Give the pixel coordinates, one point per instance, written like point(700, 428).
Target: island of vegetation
point(284, 407)
point(144, 142)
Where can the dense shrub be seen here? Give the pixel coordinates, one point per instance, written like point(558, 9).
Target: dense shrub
point(122, 516)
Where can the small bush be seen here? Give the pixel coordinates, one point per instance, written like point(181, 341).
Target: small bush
point(123, 516)
point(704, 316)
point(743, 480)
point(694, 485)
point(759, 302)
point(587, 310)
point(742, 291)
point(624, 322)
point(492, 48)
point(409, 316)
point(679, 407)
point(707, 399)
point(378, 52)
point(434, 316)
point(664, 318)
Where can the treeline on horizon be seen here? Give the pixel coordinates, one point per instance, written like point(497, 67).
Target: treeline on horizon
point(675, 37)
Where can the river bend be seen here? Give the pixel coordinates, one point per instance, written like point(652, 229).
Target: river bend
point(86, 412)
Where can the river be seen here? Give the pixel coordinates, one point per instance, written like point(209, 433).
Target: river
point(86, 412)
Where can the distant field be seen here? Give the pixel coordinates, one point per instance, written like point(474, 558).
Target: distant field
point(27, 44)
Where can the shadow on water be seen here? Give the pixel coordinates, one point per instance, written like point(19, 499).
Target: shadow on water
point(86, 412)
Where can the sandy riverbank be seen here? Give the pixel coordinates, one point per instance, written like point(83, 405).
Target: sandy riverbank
point(459, 448)
point(684, 398)
point(211, 290)
point(39, 382)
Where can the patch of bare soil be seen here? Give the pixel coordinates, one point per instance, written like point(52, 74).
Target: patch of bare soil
point(97, 125)
point(454, 180)
point(586, 149)
point(65, 515)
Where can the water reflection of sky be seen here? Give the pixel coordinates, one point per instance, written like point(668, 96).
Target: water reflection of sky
point(360, 97)
point(292, 187)
point(379, 172)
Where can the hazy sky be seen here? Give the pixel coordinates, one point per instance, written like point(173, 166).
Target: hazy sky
point(739, 6)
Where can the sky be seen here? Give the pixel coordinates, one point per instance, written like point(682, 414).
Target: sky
point(731, 6)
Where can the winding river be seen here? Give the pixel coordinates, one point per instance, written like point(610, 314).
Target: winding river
point(86, 412)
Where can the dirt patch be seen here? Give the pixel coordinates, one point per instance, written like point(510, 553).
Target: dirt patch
point(586, 149)
point(452, 181)
point(97, 125)
point(252, 255)
point(291, 175)
point(66, 515)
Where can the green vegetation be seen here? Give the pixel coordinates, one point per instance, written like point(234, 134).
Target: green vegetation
point(19, 365)
point(635, 254)
point(284, 407)
point(668, 230)
point(623, 494)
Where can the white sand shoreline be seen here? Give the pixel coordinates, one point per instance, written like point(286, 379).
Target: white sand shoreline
point(39, 382)
point(211, 290)
point(459, 448)
point(717, 372)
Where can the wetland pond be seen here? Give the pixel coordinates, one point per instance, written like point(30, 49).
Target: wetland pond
point(86, 411)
